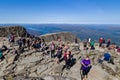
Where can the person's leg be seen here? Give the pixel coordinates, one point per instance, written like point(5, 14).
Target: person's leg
point(83, 75)
point(52, 54)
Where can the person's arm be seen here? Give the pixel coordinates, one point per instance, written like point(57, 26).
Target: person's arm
point(89, 64)
point(84, 64)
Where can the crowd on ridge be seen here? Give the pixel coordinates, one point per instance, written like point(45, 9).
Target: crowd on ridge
point(59, 50)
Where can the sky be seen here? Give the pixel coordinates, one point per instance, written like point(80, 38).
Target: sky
point(60, 11)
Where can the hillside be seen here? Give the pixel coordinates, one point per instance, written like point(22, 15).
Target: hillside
point(18, 31)
point(83, 31)
point(33, 64)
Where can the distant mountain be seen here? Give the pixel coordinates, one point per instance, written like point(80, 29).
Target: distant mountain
point(83, 31)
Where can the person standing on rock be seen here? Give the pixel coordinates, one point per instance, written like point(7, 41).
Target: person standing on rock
point(100, 42)
point(108, 43)
point(67, 58)
point(24, 42)
point(85, 44)
point(92, 45)
point(28, 44)
point(86, 66)
point(52, 49)
point(76, 40)
point(89, 41)
point(59, 53)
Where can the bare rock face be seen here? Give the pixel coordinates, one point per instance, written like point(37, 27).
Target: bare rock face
point(18, 31)
point(64, 36)
point(111, 69)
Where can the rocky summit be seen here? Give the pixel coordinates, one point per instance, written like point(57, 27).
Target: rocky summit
point(38, 65)
point(18, 31)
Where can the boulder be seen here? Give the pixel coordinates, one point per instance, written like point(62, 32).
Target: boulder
point(53, 77)
point(64, 36)
point(59, 69)
point(27, 78)
point(20, 69)
point(111, 69)
point(11, 59)
point(33, 75)
point(18, 31)
point(41, 69)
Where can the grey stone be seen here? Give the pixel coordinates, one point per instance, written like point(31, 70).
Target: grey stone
point(65, 36)
point(18, 31)
point(41, 69)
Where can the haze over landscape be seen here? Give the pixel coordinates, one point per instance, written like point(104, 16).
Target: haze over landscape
point(57, 15)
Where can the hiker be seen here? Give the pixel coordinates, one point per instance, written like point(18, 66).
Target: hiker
point(52, 49)
point(103, 41)
point(118, 49)
point(59, 41)
point(1, 55)
point(37, 44)
point(12, 38)
point(112, 47)
point(100, 59)
point(86, 66)
point(108, 58)
point(92, 45)
point(20, 42)
point(28, 44)
point(89, 41)
point(34, 45)
point(108, 43)
point(43, 45)
point(9, 38)
point(66, 47)
point(100, 42)
point(24, 42)
point(76, 41)
point(14, 51)
point(4, 47)
point(85, 45)
point(67, 58)
point(59, 53)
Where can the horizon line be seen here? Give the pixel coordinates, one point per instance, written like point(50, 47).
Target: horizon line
point(67, 23)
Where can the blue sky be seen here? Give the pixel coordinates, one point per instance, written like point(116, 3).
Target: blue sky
point(60, 11)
